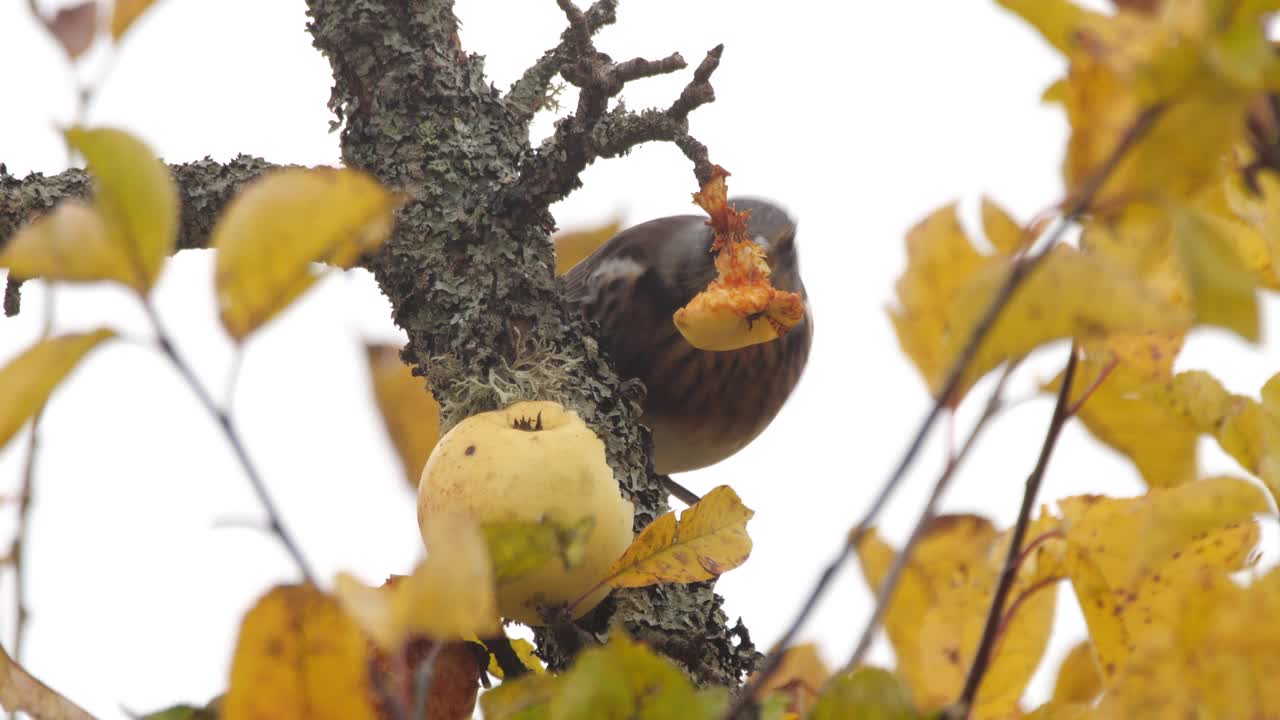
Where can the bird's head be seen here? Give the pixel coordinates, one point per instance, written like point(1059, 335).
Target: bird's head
point(774, 229)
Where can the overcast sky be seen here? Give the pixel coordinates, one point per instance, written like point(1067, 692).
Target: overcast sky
point(860, 117)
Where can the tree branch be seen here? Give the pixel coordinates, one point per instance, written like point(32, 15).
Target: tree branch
point(1061, 413)
point(468, 269)
point(890, 583)
point(204, 186)
point(1072, 209)
point(529, 94)
point(591, 132)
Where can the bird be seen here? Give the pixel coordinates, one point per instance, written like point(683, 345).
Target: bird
point(702, 406)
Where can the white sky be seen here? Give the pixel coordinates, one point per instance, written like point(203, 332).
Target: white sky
point(861, 117)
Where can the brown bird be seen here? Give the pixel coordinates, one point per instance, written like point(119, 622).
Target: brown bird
point(702, 406)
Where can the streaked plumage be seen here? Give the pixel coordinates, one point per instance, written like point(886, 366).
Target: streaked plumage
point(702, 406)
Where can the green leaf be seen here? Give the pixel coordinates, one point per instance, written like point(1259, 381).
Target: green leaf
point(27, 381)
point(624, 680)
point(867, 693)
point(519, 548)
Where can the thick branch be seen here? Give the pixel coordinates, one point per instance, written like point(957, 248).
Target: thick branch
point(592, 133)
point(205, 187)
point(468, 270)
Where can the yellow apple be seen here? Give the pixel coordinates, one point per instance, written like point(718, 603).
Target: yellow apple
point(532, 462)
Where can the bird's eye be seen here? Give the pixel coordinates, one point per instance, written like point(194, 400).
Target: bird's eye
point(763, 242)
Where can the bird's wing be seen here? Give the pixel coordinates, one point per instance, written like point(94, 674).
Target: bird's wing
point(633, 284)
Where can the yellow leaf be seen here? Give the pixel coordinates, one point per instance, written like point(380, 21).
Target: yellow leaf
point(1203, 61)
point(1057, 20)
point(525, 652)
point(1219, 660)
point(949, 543)
point(1243, 427)
point(409, 411)
point(936, 616)
point(1002, 231)
point(1125, 536)
point(126, 13)
point(940, 263)
point(710, 539)
point(136, 197)
point(867, 693)
point(1120, 550)
point(1069, 294)
point(1055, 710)
point(518, 548)
point(19, 691)
point(800, 676)
point(1160, 443)
point(72, 243)
point(279, 225)
point(27, 381)
point(1078, 679)
point(574, 246)
point(450, 595)
point(1262, 213)
point(1222, 288)
point(299, 656)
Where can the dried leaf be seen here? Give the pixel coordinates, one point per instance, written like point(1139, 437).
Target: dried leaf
point(450, 595)
point(28, 379)
point(19, 691)
point(299, 656)
point(409, 411)
point(455, 678)
point(279, 225)
point(73, 27)
point(710, 539)
point(136, 197)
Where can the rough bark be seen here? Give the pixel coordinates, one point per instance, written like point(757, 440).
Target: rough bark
point(469, 268)
point(205, 187)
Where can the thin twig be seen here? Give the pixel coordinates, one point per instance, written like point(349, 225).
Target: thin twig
point(995, 404)
point(1061, 413)
point(422, 677)
point(681, 493)
point(1021, 268)
point(17, 549)
point(1088, 392)
point(224, 422)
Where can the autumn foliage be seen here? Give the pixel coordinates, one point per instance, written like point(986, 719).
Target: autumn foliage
point(1170, 175)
